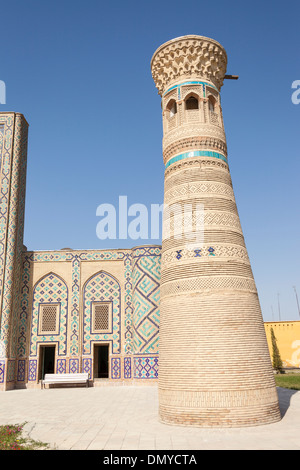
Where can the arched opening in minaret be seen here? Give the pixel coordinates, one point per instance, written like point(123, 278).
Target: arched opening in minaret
point(172, 108)
point(191, 102)
point(211, 104)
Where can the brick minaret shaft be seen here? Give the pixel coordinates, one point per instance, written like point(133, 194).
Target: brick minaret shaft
point(214, 362)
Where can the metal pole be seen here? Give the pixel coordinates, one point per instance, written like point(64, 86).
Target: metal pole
point(297, 300)
point(278, 307)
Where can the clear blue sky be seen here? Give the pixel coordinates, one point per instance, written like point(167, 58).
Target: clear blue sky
point(80, 73)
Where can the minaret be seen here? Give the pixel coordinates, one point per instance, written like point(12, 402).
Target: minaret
point(13, 162)
point(214, 362)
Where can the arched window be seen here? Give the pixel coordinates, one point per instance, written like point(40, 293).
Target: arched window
point(192, 103)
point(172, 108)
point(212, 104)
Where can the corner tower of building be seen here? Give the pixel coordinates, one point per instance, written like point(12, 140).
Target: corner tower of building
point(13, 162)
point(214, 363)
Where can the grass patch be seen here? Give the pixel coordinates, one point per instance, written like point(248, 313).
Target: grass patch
point(291, 381)
point(11, 439)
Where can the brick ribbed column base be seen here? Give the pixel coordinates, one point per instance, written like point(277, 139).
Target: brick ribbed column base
point(219, 374)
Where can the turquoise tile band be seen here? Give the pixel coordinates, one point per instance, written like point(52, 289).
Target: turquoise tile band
point(196, 153)
point(190, 83)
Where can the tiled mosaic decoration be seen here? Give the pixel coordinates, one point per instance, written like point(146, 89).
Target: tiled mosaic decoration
point(143, 263)
point(127, 367)
point(102, 287)
point(115, 368)
point(32, 374)
point(21, 370)
point(61, 366)
point(50, 289)
point(73, 366)
point(2, 371)
point(87, 366)
point(11, 363)
point(76, 259)
point(146, 296)
point(145, 367)
point(13, 152)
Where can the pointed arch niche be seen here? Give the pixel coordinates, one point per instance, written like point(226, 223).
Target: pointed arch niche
point(50, 298)
point(192, 101)
point(213, 109)
point(104, 288)
point(192, 107)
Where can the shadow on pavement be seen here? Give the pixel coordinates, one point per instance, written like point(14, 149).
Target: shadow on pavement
point(284, 397)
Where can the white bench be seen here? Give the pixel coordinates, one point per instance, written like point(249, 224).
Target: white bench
point(66, 379)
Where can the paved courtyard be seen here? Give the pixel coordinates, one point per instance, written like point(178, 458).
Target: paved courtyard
point(126, 418)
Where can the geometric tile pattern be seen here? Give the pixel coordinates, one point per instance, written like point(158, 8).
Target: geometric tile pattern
point(145, 367)
point(87, 366)
point(128, 303)
point(127, 367)
point(142, 262)
point(24, 314)
point(146, 296)
point(75, 258)
point(61, 366)
point(2, 371)
point(13, 142)
point(116, 368)
point(11, 364)
point(220, 250)
point(18, 190)
point(73, 366)
point(74, 346)
point(102, 286)
point(6, 141)
point(50, 289)
point(32, 373)
point(21, 370)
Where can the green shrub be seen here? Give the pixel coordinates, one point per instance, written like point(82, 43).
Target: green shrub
point(11, 439)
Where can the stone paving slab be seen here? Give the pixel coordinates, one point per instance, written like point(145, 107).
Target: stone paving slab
point(126, 418)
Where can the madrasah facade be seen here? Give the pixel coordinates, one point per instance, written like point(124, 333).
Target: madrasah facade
point(183, 315)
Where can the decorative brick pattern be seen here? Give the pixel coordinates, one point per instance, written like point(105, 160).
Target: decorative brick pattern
point(214, 366)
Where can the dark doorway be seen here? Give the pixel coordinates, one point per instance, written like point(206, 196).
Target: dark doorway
point(47, 358)
point(101, 354)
